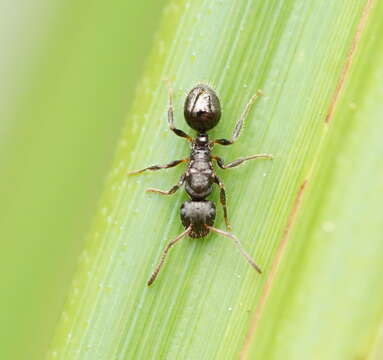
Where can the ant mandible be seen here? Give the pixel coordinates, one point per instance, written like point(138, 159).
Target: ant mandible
point(202, 112)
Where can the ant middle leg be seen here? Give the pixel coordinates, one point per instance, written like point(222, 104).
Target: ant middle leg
point(172, 190)
point(240, 122)
point(159, 167)
point(178, 132)
point(222, 197)
point(239, 161)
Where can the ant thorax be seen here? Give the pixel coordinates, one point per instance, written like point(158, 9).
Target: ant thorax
point(200, 173)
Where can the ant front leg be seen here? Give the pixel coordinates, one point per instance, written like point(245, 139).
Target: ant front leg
point(172, 190)
point(164, 253)
point(159, 167)
point(240, 122)
point(222, 197)
point(239, 161)
point(178, 132)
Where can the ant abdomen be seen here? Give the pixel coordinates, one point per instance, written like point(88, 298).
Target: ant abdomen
point(202, 109)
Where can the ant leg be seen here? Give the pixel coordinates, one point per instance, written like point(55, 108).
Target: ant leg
point(241, 120)
point(248, 258)
point(178, 132)
point(222, 197)
point(172, 190)
point(164, 253)
point(239, 161)
point(159, 167)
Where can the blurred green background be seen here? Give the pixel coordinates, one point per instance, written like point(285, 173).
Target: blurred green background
point(68, 70)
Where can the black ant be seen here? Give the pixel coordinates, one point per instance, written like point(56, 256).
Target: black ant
point(202, 112)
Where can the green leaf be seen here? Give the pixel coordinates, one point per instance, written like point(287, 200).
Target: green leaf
point(310, 217)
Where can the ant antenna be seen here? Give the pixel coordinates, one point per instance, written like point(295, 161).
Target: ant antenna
point(165, 252)
point(239, 246)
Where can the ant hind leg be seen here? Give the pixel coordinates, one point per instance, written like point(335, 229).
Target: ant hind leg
point(178, 132)
point(240, 122)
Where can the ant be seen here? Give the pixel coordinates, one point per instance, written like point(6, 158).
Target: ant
point(202, 112)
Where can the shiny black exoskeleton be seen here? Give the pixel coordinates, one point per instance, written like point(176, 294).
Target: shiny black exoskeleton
point(202, 111)
point(198, 214)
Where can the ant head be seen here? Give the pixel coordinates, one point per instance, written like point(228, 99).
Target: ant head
point(202, 109)
point(198, 214)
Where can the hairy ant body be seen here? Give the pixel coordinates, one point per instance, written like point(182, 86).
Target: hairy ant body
point(202, 112)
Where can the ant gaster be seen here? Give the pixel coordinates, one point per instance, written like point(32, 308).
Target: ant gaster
point(202, 112)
